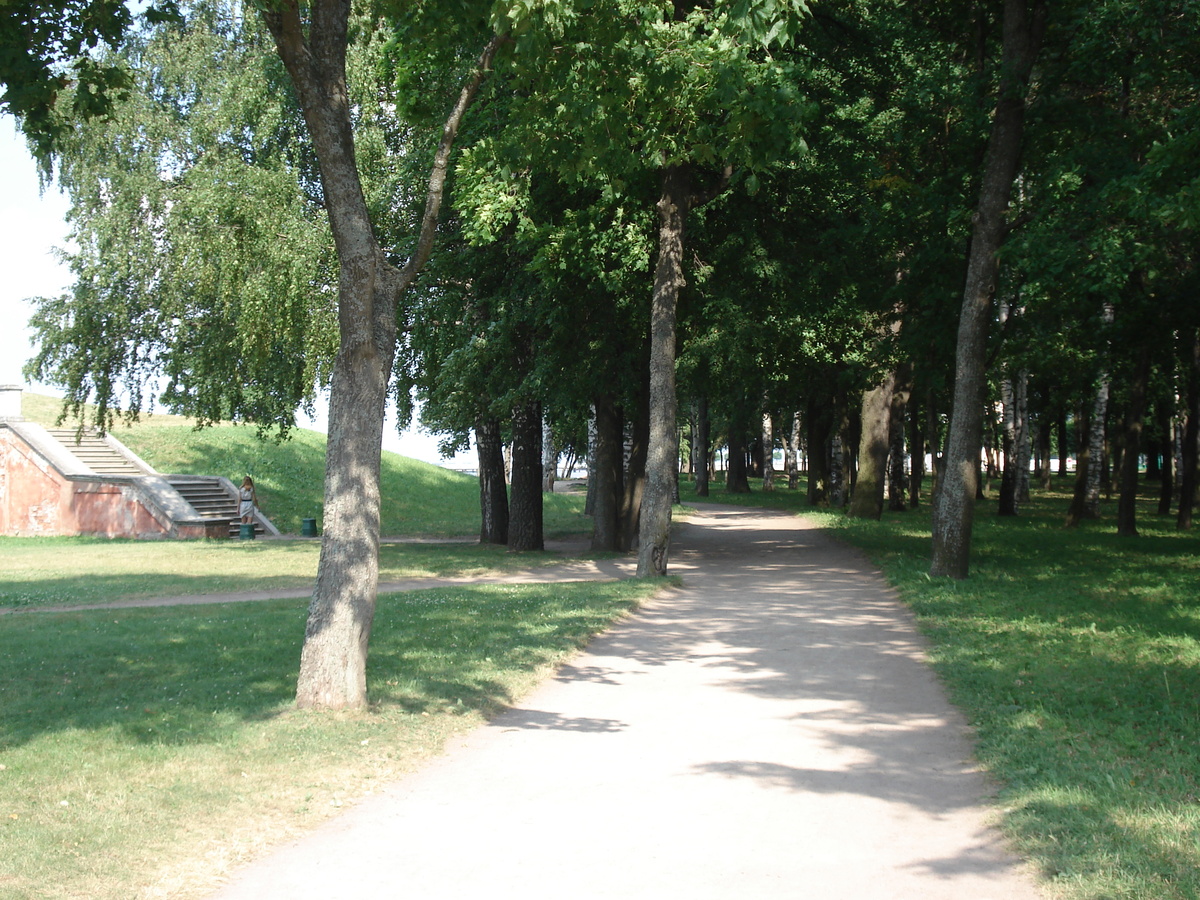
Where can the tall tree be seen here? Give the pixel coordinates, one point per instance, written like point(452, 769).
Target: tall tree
point(954, 506)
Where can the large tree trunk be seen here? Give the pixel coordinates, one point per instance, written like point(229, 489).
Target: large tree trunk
point(493, 492)
point(334, 656)
point(701, 447)
point(867, 500)
point(954, 509)
point(654, 533)
point(606, 473)
point(1131, 447)
point(525, 510)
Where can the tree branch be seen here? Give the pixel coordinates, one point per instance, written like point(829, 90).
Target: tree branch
point(441, 160)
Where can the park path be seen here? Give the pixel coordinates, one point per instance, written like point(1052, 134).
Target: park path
point(769, 730)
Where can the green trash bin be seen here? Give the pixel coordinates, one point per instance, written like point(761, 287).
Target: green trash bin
point(246, 531)
point(308, 527)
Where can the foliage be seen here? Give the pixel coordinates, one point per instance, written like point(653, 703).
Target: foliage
point(203, 153)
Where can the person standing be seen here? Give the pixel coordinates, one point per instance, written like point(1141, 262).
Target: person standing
point(247, 500)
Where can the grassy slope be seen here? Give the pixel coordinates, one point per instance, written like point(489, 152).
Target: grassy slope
point(1076, 656)
point(417, 498)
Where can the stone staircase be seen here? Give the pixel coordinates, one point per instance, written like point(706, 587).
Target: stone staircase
point(212, 499)
point(95, 453)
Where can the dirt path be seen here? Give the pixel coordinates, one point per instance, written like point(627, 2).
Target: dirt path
point(569, 570)
point(770, 730)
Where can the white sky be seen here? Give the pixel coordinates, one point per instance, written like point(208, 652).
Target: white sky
point(32, 225)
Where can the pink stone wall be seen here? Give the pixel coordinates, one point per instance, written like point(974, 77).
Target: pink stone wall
point(35, 499)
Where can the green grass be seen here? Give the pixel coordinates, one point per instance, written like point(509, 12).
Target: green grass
point(77, 571)
point(1076, 656)
point(417, 498)
point(147, 752)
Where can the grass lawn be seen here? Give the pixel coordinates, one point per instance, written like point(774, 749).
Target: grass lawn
point(145, 753)
point(1076, 657)
point(77, 571)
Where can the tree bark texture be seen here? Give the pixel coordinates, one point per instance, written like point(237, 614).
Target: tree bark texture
point(525, 508)
point(549, 457)
point(701, 447)
point(654, 533)
point(1014, 482)
point(954, 509)
point(606, 475)
point(896, 478)
point(793, 453)
point(635, 466)
point(873, 446)
point(493, 491)
point(1135, 411)
point(1077, 511)
point(1096, 442)
point(334, 656)
point(768, 449)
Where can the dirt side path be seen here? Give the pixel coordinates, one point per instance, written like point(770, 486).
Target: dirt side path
point(770, 730)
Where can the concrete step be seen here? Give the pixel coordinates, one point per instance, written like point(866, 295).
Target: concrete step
point(93, 452)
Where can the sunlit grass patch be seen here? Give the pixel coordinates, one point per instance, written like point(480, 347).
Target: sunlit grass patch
point(145, 752)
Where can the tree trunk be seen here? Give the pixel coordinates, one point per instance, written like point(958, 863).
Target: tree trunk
point(1131, 447)
point(1166, 474)
point(549, 457)
point(1043, 452)
point(1077, 511)
point(662, 460)
point(525, 510)
point(819, 426)
point(916, 453)
point(1096, 443)
point(589, 504)
point(635, 467)
point(1190, 456)
point(334, 656)
point(493, 492)
point(606, 514)
point(1009, 493)
point(896, 481)
point(793, 453)
point(954, 511)
point(701, 447)
point(1063, 445)
point(867, 499)
point(768, 449)
point(737, 479)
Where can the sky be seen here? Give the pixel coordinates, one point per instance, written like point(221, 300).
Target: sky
point(32, 225)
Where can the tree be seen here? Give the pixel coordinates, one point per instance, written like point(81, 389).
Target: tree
point(954, 505)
